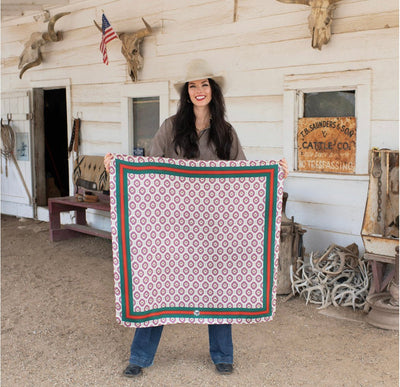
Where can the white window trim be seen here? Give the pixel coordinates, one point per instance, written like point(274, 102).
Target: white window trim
point(298, 84)
point(140, 90)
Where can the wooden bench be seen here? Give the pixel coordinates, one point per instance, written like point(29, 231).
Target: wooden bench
point(72, 203)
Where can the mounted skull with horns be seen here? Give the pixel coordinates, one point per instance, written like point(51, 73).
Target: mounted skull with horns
point(131, 48)
point(31, 55)
point(320, 19)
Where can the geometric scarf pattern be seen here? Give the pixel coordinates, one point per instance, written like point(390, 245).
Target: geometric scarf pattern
point(194, 241)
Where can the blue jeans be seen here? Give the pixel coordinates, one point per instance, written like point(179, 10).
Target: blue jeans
point(145, 343)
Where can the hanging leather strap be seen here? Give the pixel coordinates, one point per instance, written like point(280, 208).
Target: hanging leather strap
point(74, 142)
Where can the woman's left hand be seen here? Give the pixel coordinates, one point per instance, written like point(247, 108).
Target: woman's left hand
point(284, 166)
point(107, 161)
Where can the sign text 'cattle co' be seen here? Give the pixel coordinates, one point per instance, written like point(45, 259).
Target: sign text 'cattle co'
point(327, 144)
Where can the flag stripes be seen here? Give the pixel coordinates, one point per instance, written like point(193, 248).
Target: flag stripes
point(107, 36)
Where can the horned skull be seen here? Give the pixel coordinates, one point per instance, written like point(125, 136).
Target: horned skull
point(320, 19)
point(131, 48)
point(31, 55)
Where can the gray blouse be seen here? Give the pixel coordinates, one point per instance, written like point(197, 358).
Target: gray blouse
point(162, 144)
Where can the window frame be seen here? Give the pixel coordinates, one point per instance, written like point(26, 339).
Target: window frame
point(140, 90)
point(296, 85)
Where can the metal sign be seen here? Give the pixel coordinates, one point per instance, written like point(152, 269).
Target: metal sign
point(327, 144)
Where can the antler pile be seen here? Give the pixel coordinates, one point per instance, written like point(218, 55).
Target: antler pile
point(338, 278)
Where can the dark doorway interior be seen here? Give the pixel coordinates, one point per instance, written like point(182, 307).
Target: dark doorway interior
point(56, 143)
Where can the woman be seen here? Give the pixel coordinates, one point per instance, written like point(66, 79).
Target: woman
point(198, 131)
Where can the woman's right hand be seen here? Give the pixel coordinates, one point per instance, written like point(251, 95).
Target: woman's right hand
point(107, 161)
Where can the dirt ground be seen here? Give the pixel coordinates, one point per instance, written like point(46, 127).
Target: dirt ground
point(58, 329)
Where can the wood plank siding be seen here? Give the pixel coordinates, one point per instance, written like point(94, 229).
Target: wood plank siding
point(259, 47)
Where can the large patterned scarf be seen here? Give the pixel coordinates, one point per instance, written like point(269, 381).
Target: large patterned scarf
point(194, 241)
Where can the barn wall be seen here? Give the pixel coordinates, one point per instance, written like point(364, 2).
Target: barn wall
point(256, 45)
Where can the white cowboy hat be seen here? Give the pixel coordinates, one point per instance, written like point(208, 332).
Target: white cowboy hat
point(199, 69)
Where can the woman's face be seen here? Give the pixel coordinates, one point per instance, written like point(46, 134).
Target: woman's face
point(200, 92)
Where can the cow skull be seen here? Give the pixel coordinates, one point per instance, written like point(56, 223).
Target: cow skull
point(31, 55)
point(131, 48)
point(320, 19)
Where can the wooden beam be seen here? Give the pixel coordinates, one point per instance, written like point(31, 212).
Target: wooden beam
point(34, 3)
point(235, 10)
point(20, 7)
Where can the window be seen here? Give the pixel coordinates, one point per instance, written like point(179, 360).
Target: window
point(144, 106)
point(330, 104)
point(327, 133)
point(313, 95)
point(146, 121)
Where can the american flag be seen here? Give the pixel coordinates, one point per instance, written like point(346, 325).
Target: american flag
point(108, 35)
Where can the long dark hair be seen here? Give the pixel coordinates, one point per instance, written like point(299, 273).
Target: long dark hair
point(184, 128)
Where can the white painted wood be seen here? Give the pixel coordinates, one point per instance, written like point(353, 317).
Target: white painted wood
point(20, 210)
point(260, 54)
point(253, 9)
point(258, 108)
point(262, 153)
point(290, 116)
point(384, 134)
point(381, 110)
point(96, 93)
point(330, 189)
point(16, 175)
point(19, 7)
point(333, 218)
point(99, 137)
point(264, 31)
point(318, 240)
point(107, 112)
point(159, 89)
point(259, 132)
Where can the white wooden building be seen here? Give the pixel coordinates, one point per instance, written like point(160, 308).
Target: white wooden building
point(262, 47)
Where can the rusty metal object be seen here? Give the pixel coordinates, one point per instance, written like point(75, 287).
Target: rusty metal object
point(380, 234)
point(394, 284)
point(327, 144)
point(384, 307)
point(380, 229)
point(337, 277)
point(382, 314)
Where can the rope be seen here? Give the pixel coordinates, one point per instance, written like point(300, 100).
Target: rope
point(7, 150)
point(8, 142)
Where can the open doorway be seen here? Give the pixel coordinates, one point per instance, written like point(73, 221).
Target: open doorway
point(56, 143)
point(50, 144)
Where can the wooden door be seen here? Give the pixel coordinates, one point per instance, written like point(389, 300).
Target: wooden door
point(16, 158)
